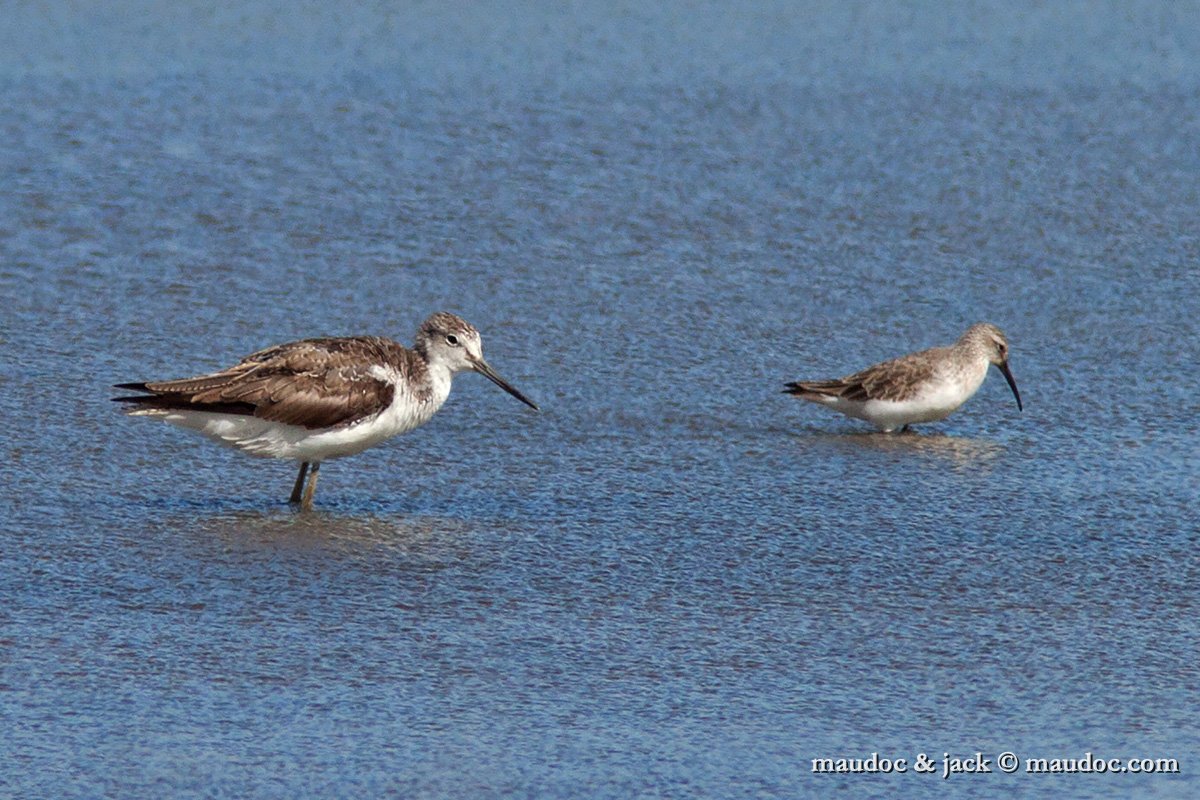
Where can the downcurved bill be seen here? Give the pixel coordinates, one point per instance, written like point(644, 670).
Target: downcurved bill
point(1012, 384)
point(481, 366)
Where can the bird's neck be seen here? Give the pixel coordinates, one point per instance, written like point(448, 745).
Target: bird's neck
point(972, 349)
point(439, 378)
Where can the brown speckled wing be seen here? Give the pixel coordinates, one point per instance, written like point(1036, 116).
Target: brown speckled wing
point(889, 380)
point(314, 383)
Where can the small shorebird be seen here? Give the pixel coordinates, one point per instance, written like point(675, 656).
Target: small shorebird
point(919, 387)
point(316, 399)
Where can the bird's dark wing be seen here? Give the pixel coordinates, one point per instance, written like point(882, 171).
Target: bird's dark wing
point(313, 383)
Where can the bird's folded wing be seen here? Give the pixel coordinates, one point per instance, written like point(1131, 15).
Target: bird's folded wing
point(320, 399)
point(314, 384)
point(889, 380)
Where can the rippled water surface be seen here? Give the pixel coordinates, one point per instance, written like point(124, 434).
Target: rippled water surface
point(675, 581)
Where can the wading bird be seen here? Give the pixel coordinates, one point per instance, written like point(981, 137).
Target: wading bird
point(316, 399)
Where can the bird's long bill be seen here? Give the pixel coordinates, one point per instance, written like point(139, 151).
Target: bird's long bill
point(1012, 384)
point(483, 369)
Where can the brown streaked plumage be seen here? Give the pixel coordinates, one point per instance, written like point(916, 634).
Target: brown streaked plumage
point(920, 387)
point(313, 383)
point(316, 399)
point(897, 379)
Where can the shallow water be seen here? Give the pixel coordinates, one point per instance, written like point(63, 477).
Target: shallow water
point(675, 581)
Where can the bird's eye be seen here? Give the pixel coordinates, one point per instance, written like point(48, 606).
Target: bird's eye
point(451, 340)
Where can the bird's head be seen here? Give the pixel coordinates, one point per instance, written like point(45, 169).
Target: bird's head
point(992, 343)
point(450, 341)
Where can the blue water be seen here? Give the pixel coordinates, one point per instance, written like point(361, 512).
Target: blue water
point(675, 581)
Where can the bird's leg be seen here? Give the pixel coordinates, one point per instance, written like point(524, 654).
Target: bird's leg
point(311, 489)
point(299, 485)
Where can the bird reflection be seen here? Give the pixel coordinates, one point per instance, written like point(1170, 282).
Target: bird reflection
point(351, 532)
point(961, 451)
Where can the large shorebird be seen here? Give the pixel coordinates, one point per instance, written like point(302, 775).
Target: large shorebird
point(919, 387)
point(317, 399)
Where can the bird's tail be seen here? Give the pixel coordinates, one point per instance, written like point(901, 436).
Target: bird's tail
point(809, 388)
point(155, 399)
